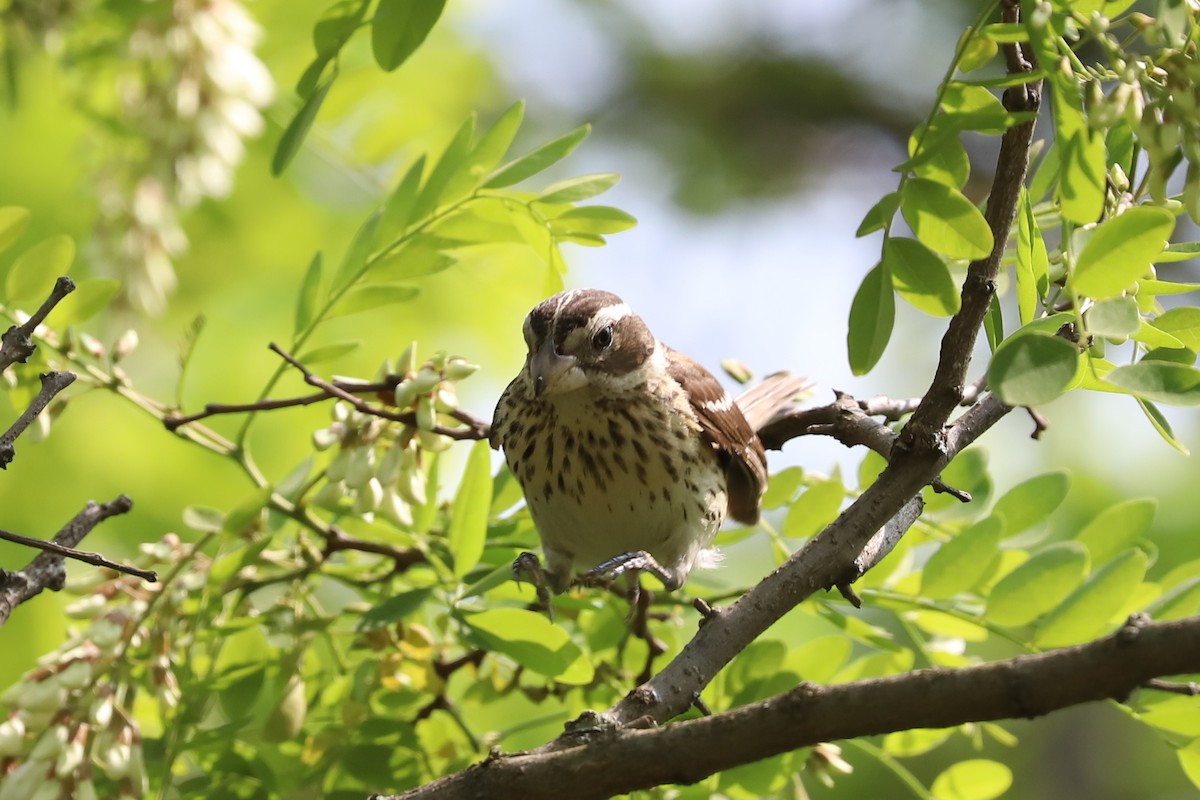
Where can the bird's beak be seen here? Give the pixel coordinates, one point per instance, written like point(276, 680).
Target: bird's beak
point(550, 369)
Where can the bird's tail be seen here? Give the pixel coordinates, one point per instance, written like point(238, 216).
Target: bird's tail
point(760, 403)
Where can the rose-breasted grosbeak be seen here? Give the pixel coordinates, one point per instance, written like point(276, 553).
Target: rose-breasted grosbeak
point(630, 454)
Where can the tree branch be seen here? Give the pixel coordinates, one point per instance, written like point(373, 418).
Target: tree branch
point(686, 752)
point(47, 570)
point(52, 384)
point(17, 343)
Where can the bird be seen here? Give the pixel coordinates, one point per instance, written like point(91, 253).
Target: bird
point(630, 454)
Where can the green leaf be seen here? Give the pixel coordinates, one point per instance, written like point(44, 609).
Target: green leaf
point(1182, 601)
point(921, 277)
point(337, 24)
point(451, 161)
point(371, 296)
point(973, 779)
point(399, 27)
point(1081, 183)
point(355, 260)
point(1183, 323)
point(1115, 528)
point(203, 519)
point(306, 300)
point(592, 219)
point(986, 113)
point(1029, 369)
point(1116, 317)
point(1087, 611)
point(485, 155)
point(872, 315)
point(1038, 585)
point(1121, 250)
point(397, 211)
point(1161, 381)
point(419, 257)
point(396, 608)
point(537, 160)
point(818, 660)
point(296, 130)
point(813, 510)
point(782, 487)
point(89, 298)
point(469, 516)
point(993, 324)
point(13, 221)
point(583, 187)
point(915, 742)
point(880, 214)
point(32, 275)
point(533, 642)
point(1189, 761)
point(1033, 263)
point(1162, 425)
point(942, 157)
point(1180, 251)
point(944, 220)
point(328, 352)
point(1031, 501)
point(963, 562)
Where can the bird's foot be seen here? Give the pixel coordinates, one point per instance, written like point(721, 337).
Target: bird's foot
point(528, 566)
point(633, 561)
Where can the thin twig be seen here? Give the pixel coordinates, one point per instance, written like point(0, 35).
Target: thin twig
point(95, 559)
point(17, 343)
point(52, 384)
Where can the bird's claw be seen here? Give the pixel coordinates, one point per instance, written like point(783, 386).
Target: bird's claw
point(633, 561)
point(530, 566)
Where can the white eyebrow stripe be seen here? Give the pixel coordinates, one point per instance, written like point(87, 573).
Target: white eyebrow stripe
point(611, 315)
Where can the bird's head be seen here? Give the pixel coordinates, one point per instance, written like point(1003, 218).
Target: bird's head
point(585, 337)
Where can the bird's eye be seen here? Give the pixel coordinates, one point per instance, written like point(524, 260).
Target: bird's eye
point(603, 338)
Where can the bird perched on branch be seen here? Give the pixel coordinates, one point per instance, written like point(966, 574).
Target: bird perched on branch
point(630, 454)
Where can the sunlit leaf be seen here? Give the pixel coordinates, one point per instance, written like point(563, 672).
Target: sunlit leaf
point(880, 214)
point(1032, 368)
point(921, 277)
point(1183, 323)
point(814, 509)
point(1120, 250)
point(533, 642)
point(1115, 528)
point(944, 220)
point(583, 187)
point(1180, 602)
point(1032, 261)
point(329, 352)
point(371, 296)
point(1087, 610)
point(973, 779)
point(1031, 501)
point(964, 561)
point(1116, 317)
point(872, 315)
point(396, 608)
point(397, 211)
point(355, 259)
point(485, 155)
point(537, 160)
point(1160, 381)
point(1081, 183)
point(593, 220)
point(1038, 585)
point(469, 515)
point(782, 487)
point(942, 157)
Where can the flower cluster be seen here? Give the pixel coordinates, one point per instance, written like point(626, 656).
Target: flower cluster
point(378, 464)
point(70, 730)
point(193, 89)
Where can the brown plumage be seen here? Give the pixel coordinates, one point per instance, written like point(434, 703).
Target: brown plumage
point(630, 454)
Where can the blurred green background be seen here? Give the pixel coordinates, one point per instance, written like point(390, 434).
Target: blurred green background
point(752, 138)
